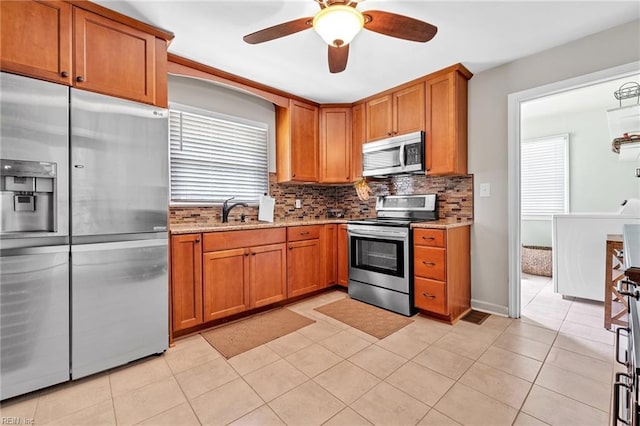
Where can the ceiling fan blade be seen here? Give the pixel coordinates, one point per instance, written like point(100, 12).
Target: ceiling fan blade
point(277, 31)
point(398, 26)
point(338, 58)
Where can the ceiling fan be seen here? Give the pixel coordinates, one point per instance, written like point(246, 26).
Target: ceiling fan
point(338, 22)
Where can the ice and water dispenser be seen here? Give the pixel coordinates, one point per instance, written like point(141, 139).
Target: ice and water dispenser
point(28, 195)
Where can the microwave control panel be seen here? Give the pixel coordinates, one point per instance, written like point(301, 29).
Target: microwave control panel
point(413, 153)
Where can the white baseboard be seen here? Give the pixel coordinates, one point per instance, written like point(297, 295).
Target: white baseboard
point(490, 308)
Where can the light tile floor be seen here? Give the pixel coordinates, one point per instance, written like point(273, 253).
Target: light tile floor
point(552, 366)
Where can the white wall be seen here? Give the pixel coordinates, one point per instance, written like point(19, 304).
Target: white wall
point(598, 181)
point(488, 92)
point(224, 100)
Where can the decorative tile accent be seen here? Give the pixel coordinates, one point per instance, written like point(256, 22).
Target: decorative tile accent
point(455, 200)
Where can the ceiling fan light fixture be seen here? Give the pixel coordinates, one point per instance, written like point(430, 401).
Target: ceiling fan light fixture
point(338, 24)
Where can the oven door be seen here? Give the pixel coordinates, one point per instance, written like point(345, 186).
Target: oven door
point(379, 256)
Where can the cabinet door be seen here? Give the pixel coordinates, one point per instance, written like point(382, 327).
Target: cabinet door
point(330, 259)
point(446, 124)
point(303, 267)
point(186, 281)
point(36, 39)
point(112, 58)
point(268, 274)
point(379, 121)
point(335, 145)
point(304, 142)
point(358, 137)
point(226, 283)
point(343, 256)
point(408, 110)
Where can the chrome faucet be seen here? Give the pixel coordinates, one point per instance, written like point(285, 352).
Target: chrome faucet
point(226, 208)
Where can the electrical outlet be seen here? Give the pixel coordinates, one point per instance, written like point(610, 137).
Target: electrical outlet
point(485, 190)
point(298, 204)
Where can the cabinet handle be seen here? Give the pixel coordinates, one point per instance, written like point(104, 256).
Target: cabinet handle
point(293, 175)
point(79, 79)
point(429, 238)
point(197, 240)
point(64, 74)
point(290, 247)
point(429, 296)
point(253, 254)
point(424, 262)
point(304, 233)
point(246, 254)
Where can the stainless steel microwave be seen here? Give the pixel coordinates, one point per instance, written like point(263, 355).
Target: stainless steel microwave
point(395, 155)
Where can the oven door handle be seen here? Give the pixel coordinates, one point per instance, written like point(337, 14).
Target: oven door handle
point(617, 346)
point(388, 236)
point(619, 383)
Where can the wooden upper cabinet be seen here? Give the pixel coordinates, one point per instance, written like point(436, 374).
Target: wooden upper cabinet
point(87, 46)
point(396, 113)
point(186, 281)
point(297, 142)
point(113, 58)
point(408, 109)
point(446, 122)
point(379, 119)
point(358, 137)
point(36, 39)
point(335, 145)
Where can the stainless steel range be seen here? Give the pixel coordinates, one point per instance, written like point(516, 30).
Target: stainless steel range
point(381, 251)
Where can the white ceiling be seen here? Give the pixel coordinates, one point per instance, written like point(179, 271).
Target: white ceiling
point(596, 96)
point(479, 34)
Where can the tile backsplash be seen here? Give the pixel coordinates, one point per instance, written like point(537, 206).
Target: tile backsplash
point(455, 199)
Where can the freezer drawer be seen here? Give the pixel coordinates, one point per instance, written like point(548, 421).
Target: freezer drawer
point(119, 166)
point(34, 319)
point(119, 304)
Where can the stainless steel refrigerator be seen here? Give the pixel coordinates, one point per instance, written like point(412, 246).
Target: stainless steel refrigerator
point(83, 244)
point(119, 243)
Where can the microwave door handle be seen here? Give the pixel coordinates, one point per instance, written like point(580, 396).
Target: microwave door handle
point(402, 155)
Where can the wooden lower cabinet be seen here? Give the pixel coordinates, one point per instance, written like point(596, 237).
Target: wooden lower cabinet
point(343, 256)
point(226, 283)
point(186, 281)
point(330, 253)
point(303, 267)
point(442, 272)
point(267, 274)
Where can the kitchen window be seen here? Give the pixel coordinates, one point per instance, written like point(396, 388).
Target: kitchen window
point(544, 182)
point(216, 156)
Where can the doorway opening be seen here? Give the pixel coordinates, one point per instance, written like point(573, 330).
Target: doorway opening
point(546, 122)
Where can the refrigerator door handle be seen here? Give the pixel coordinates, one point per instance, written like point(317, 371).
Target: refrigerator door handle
point(34, 250)
point(118, 245)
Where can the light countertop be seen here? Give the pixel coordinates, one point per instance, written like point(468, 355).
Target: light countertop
point(190, 228)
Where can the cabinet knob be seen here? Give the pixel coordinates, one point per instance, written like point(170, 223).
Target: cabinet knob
point(253, 254)
point(246, 254)
point(64, 74)
point(79, 79)
point(197, 240)
point(293, 175)
point(290, 247)
point(424, 262)
point(429, 296)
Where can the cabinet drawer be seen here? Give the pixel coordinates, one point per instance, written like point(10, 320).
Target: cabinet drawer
point(428, 237)
point(299, 233)
point(429, 262)
point(240, 239)
point(430, 295)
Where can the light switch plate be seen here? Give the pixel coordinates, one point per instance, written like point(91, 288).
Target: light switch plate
point(298, 204)
point(485, 190)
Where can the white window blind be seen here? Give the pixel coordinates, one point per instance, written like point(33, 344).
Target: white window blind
point(544, 183)
point(215, 157)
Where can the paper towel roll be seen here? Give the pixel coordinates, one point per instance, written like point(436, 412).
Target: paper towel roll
point(265, 210)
